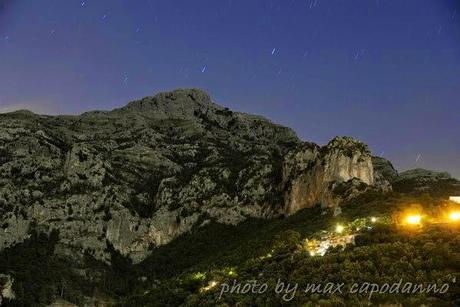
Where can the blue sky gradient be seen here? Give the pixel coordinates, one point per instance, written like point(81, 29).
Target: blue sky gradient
point(386, 72)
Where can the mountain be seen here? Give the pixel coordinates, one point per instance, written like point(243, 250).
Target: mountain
point(105, 190)
point(141, 175)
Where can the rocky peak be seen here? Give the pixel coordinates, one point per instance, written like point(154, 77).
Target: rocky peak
point(181, 103)
point(347, 158)
point(347, 146)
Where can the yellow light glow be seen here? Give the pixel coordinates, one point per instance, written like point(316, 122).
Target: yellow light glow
point(373, 219)
point(211, 285)
point(339, 228)
point(455, 216)
point(413, 219)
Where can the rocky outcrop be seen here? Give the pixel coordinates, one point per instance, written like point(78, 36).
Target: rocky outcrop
point(316, 175)
point(384, 173)
point(422, 180)
point(6, 289)
point(384, 169)
point(423, 175)
point(137, 177)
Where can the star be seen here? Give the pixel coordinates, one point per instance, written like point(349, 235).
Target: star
point(419, 156)
point(273, 51)
point(83, 3)
point(104, 16)
point(204, 69)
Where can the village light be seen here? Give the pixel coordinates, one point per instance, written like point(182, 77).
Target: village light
point(373, 219)
point(211, 285)
point(413, 219)
point(339, 228)
point(454, 216)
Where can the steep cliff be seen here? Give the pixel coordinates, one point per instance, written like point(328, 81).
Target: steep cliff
point(314, 175)
point(139, 176)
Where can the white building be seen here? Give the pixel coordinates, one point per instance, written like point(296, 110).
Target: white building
point(455, 199)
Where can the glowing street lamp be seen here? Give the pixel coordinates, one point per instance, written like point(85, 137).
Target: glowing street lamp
point(373, 219)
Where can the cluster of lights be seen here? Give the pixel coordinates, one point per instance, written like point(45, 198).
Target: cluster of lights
point(416, 219)
point(212, 284)
point(410, 219)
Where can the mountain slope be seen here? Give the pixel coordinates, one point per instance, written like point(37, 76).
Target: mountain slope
point(139, 176)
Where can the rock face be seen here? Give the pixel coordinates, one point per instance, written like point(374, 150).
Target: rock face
point(6, 288)
point(139, 176)
point(384, 173)
point(313, 175)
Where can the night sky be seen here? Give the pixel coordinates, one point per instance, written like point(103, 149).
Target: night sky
point(385, 72)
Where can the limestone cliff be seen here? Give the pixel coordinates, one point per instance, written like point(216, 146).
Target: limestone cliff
point(312, 174)
point(137, 177)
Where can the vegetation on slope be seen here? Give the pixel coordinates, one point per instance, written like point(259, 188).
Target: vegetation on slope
point(191, 270)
